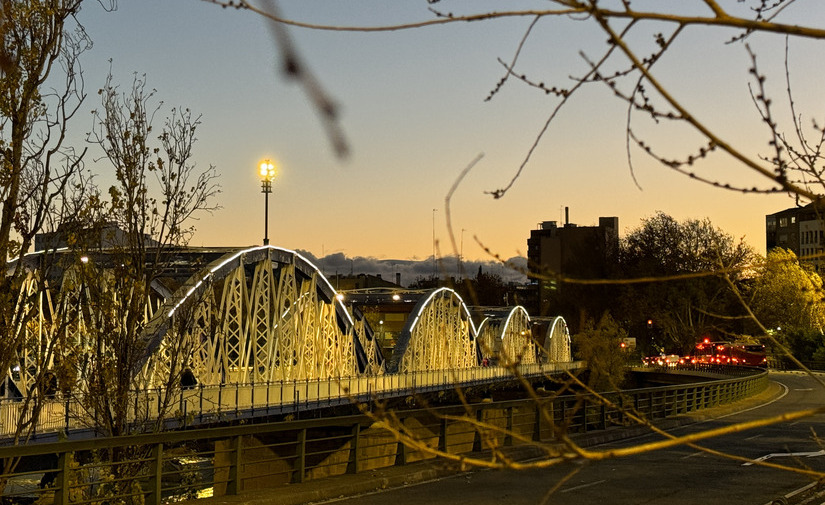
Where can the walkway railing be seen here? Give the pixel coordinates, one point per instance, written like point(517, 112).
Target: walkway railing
point(208, 404)
point(169, 466)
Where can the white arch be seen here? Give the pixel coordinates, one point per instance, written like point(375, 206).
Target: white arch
point(287, 324)
point(440, 336)
point(509, 339)
point(557, 342)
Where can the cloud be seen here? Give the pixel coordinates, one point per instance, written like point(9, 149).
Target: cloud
point(411, 270)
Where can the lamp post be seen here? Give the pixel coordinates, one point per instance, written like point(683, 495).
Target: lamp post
point(267, 174)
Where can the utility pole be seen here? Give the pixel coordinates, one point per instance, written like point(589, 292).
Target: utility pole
point(434, 265)
point(461, 255)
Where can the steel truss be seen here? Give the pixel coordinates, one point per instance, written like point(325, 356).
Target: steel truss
point(439, 335)
point(261, 315)
point(52, 335)
point(557, 342)
point(34, 332)
point(508, 340)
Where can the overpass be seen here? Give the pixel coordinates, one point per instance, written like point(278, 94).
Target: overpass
point(257, 331)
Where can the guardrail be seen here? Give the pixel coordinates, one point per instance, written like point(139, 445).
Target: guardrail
point(169, 466)
point(785, 363)
point(708, 368)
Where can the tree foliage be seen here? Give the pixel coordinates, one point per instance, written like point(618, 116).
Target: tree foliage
point(599, 345)
point(786, 296)
point(485, 289)
point(683, 262)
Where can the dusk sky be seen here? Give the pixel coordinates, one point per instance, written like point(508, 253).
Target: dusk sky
point(413, 111)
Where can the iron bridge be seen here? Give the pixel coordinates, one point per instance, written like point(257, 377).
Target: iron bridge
point(261, 330)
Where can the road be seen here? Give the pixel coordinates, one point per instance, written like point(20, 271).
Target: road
point(681, 475)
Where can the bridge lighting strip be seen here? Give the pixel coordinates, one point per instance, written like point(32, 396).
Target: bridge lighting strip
point(432, 295)
point(258, 248)
point(42, 251)
point(11, 262)
point(481, 324)
point(510, 316)
point(553, 328)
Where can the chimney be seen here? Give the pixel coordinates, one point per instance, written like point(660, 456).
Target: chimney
point(566, 216)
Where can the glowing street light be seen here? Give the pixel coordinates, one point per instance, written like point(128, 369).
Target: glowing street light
point(267, 174)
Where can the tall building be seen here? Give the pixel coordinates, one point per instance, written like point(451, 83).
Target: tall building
point(582, 252)
point(799, 229)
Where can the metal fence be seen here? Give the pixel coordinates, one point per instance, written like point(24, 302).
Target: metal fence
point(170, 466)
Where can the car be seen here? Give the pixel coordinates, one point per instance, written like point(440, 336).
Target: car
point(663, 360)
point(672, 360)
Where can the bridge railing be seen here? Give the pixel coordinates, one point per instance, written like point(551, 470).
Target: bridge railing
point(205, 404)
point(227, 460)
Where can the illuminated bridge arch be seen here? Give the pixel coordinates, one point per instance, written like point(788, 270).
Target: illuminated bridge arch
point(506, 337)
point(257, 315)
point(557, 342)
point(52, 323)
point(34, 333)
point(438, 335)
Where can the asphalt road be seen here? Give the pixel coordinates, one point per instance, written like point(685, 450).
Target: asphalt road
point(680, 475)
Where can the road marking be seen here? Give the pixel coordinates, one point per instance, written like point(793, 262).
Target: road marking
point(786, 455)
point(755, 436)
point(784, 393)
point(576, 488)
point(698, 453)
point(805, 389)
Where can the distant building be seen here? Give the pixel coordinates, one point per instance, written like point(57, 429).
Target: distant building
point(385, 305)
point(798, 229)
point(362, 281)
point(102, 236)
point(582, 252)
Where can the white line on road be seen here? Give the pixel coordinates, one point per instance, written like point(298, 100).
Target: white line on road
point(576, 488)
point(812, 454)
point(784, 393)
point(755, 436)
point(698, 453)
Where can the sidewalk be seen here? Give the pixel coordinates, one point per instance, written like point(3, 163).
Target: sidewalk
point(399, 476)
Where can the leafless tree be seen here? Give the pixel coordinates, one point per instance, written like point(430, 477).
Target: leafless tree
point(146, 216)
point(41, 89)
